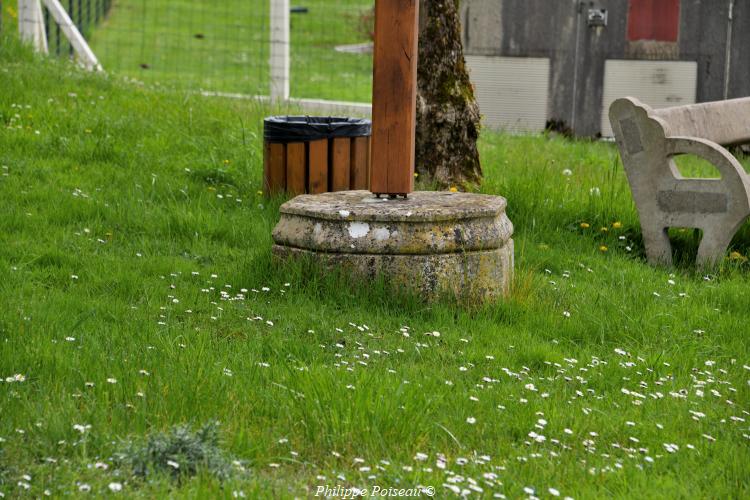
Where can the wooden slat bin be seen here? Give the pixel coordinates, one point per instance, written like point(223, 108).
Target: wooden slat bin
point(304, 154)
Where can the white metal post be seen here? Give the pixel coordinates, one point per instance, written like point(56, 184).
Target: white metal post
point(83, 51)
point(280, 42)
point(31, 24)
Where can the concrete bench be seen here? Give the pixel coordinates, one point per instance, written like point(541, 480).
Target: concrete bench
point(648, 140)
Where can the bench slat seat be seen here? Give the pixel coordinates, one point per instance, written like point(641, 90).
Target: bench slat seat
point(724, 122)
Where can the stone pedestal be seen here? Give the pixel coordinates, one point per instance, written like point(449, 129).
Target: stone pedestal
point(432, 242)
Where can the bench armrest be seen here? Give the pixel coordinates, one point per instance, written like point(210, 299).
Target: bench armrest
point(710, 151)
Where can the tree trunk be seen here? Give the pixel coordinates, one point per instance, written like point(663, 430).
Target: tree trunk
point(448, 117)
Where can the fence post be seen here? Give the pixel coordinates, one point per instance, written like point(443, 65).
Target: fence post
point(31, 24)
point(279, 60)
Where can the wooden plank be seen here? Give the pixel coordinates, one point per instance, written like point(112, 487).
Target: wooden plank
point(394, 96)
point(275, 169)
point(341, 158)
point(318, 167)
point(266, 167)
point(360, 155)
point(296, 168)
point(369, 162)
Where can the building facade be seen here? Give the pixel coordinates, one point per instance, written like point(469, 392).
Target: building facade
point(559, 63)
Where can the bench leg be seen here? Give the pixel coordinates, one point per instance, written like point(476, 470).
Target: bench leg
point(658, 247)
point(714, 245)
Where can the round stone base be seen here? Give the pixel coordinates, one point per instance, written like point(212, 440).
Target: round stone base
point(434, 243)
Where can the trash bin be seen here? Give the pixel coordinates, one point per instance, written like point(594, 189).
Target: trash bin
point(308, 154)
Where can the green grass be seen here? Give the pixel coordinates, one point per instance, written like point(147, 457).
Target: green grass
point(127, 212)
point(224, 46)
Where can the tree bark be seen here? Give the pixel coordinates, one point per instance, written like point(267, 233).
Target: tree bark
point(448, 118)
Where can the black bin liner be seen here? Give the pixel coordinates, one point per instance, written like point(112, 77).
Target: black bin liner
point(286, 129)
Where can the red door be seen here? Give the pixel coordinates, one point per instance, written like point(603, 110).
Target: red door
point(654, 20)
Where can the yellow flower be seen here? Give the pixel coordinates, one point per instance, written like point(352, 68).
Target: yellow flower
point(260, 193)
point(226, 162)
point(603, 248)
point(416, 174)
point(737, 256)
point(585, 225)
point(617, 225)
point(454, 189)
point(604, 230)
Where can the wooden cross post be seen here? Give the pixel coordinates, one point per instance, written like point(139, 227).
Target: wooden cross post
point(394, 97)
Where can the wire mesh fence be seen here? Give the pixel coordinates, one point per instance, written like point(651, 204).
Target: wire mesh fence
point(331, 50)
point(226, 46)
point(85, 14)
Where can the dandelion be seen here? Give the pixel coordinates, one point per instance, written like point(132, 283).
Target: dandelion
point(737, 256)
point(603, 248)
point(115, 487)
point(454, 189)
point(112, 380)
point(471, 420)
point(585, 225)
point(567, 172)
point(617, 225)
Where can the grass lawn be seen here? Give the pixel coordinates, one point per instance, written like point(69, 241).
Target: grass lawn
point(137, 293)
